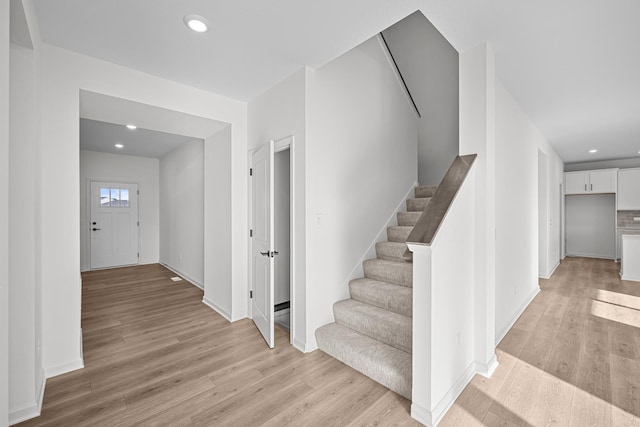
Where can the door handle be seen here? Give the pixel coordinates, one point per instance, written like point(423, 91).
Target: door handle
point(95, 229)
point(275, 253)
point(264, 253)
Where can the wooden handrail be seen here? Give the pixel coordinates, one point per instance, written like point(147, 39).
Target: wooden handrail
point(427, 226)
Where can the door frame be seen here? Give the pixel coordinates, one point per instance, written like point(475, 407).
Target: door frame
point(280, 144)
point(88, 217)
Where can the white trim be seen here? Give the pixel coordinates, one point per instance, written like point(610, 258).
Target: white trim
point(553, 270)
point(31, 411)
point(64, 368)
point(630, 278)
point(580, 255)
point(299, 345)
point(487, 369)
point(370, 253)
point(216, 308)
point(192, 281)
point(503, 332)
point(432, 418)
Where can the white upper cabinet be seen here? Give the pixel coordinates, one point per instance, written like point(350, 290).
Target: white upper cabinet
point(591, 182)
point(629, 189)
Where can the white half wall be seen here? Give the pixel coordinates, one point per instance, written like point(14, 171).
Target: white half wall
point(144, 171)
point(518, 145)
point(277, 113)
point(361, 159)
point(182, 211)
point(4, 212)
point(64, 74)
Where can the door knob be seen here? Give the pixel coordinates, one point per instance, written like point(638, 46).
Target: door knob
point(95, 229)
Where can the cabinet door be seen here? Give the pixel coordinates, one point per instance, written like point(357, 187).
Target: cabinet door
point(603, 181)
point(576, 182)
point(629, 189)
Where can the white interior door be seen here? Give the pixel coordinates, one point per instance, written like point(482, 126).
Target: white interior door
point(114, 224)
point(262, 250)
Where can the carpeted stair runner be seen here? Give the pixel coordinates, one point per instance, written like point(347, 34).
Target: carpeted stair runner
point(372, 329)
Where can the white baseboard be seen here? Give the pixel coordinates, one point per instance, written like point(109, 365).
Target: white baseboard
point(596, 256)
point(299, 345)
point(553, 270)
point(54, 371)
point(432, 418)
point(503, 332)
point(631, 278)
point(191, 280)
point(370, 253)
point(239, 315)
point(31, 411)
point(216, 308)
point(487, 369)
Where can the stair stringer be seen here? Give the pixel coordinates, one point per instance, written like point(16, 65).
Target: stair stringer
point(370, 253)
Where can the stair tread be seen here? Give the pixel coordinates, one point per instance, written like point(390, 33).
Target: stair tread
point(398, 273)
point(408, 218)
point(383, 325)
point(385, 364)
point(395, 298)
point(425, 190)
point(418, 204)
point(392, 251)
point(398, 233)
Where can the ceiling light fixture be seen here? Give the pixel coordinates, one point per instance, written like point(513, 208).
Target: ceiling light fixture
point(132, 127)
point(119, 146)
point(593, 151)
point(196, 23)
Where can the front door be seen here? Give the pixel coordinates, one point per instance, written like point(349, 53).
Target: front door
point(262, 251)
point(114, 224)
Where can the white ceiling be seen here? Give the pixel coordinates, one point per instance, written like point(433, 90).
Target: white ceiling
point(103, 121)
point(572, 65)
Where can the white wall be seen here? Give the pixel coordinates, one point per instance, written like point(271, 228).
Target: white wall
point(64, 74)
point(282, 236)
point(22, 240)
point(361, 161)
point(182, 211)
point(429, 66)
point(4, 213)
point(477, 136)
point(107, 167)
point(26, 376)
point(218, 236)
point(277, 113)
point(518, 143)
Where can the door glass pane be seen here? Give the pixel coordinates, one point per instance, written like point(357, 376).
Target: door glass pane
point(104, 197)
point(124, 197)
point(115, 197)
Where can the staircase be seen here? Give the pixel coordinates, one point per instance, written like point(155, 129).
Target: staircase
point(372, 332)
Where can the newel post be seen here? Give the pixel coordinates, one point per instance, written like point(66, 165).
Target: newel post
point(421, 405)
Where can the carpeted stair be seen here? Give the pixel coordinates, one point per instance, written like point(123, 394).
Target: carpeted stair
point(372, 329)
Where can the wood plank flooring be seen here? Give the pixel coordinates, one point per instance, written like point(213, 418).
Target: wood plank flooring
point(571, 359)
point(155, 355)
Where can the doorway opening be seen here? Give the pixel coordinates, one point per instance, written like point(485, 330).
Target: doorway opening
point(272, 238)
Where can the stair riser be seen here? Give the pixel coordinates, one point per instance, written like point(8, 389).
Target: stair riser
point(397, 273)
point(396, 331)
point(417, 205)
point(408, 218)
point(392, 251)
point(398, 234)
point(425, 191)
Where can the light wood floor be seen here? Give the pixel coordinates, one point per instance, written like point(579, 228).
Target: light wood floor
point(572, 358)
point(155, 355)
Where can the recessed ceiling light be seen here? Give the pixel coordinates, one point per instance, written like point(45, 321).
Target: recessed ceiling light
point(119, 146)
point(132, 127)
point(593, 151)
point(196, 23)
